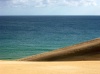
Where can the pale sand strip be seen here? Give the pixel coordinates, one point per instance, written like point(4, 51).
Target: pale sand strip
point(89, 50)
point(15, 67)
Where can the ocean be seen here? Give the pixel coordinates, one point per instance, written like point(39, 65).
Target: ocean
point(22, 36)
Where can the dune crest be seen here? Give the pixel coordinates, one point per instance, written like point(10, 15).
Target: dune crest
point(89, 50)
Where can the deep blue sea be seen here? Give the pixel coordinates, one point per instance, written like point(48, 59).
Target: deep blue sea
point(22, 36)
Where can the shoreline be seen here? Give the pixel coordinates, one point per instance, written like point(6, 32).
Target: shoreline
point(73, 64)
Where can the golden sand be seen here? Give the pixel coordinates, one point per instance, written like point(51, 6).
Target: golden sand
point(75, 67)
point(89, 50)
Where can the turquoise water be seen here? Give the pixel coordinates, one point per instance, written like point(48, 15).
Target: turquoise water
point(22, 36)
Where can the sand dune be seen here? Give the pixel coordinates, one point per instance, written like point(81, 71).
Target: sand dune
point(69, 56)
point(15, 67)
point(89, 50)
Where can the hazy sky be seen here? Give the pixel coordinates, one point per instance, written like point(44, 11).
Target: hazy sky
point(49, 7)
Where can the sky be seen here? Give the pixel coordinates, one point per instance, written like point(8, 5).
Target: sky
point(49, 7)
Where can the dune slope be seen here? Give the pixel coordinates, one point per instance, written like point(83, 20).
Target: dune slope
point(89, 50)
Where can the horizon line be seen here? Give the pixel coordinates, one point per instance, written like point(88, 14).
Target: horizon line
point(49, 15)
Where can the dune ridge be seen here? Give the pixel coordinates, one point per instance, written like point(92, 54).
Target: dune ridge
point(89, 50)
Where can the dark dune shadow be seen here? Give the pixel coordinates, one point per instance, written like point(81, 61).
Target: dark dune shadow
point(86, 51)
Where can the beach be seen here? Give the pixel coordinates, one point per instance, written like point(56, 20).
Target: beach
point(83, 59)
point(71, 67)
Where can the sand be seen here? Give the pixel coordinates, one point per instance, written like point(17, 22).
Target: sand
point(66, 60)
point(72, 67)
point(86, 51)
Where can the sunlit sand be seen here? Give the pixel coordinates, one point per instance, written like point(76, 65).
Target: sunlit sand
point(83, 58)
point(15, 67)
